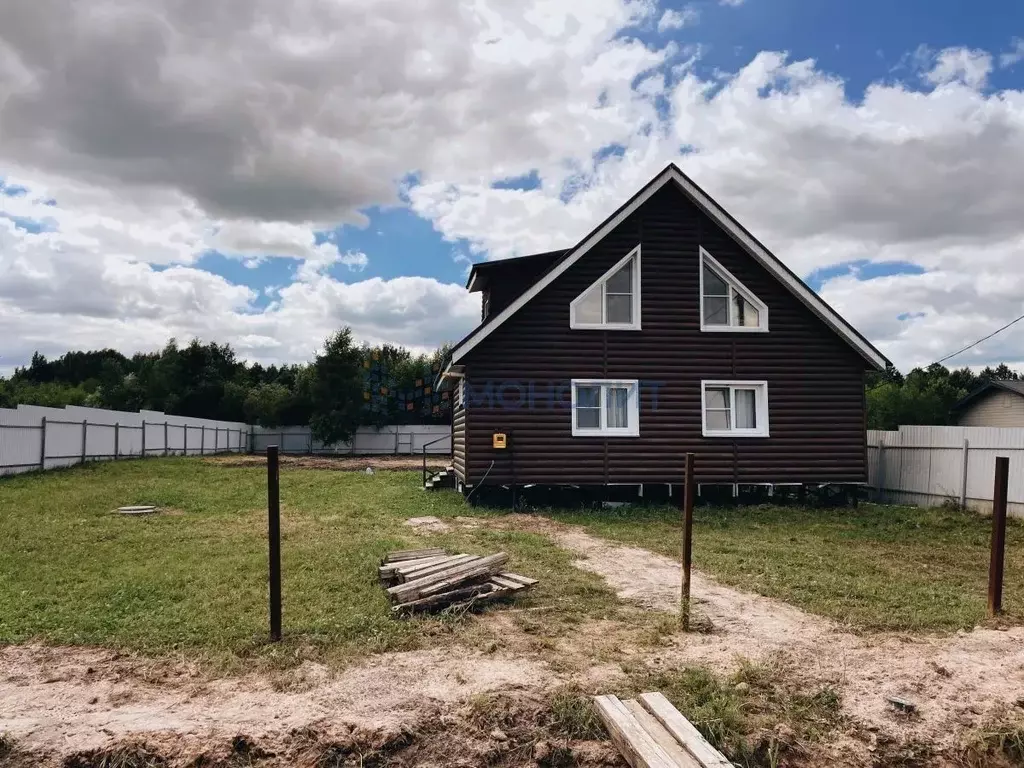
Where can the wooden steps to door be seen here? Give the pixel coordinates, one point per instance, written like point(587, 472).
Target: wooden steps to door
point(430, 579)
point(650, 733)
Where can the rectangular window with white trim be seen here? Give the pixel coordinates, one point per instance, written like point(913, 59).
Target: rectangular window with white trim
point(603, 408)
point(735, 408)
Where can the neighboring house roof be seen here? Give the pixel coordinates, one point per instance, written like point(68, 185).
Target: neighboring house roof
point(1007, 385)
point(532, 266)
point(672, 174)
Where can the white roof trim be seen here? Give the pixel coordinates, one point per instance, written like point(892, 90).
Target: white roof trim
point(813, 302)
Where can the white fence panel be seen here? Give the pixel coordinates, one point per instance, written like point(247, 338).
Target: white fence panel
point(396, 440)
point(932, 465)
point(37, 437)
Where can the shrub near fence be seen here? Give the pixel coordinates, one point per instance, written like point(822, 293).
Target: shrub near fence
point(34, 437)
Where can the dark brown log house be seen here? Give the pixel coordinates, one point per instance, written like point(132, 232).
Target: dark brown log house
point(667, 329)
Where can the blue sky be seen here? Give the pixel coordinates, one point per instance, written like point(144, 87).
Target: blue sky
point(349, 173)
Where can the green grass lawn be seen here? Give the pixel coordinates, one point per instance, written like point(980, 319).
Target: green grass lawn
point(875, 567)
point(195, 580)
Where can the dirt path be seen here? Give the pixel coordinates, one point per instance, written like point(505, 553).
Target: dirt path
point(57, 700)
point(957, 682)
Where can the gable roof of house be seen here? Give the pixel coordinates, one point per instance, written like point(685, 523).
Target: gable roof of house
point(1006, 385)
point(531, 266)
point(699, 197)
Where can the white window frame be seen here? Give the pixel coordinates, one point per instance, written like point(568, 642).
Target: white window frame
point(632, 405)
point(760, 405)
point(601, 284)
point(459, 394)
point(738, 287)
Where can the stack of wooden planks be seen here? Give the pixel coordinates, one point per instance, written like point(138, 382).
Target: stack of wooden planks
point(650, 733)
point(431, 579)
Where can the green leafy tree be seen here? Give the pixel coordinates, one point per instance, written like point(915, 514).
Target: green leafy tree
point(336, 390)
point(207, 380)
point(266, 404)
point(925, 395)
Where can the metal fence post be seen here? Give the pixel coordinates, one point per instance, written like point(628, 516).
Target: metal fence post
point(165, 438)
point(274, 536)
point(42, 443)
point(143, 438)
point(117, 439)
point(998, 554)
point(202, 440)
point(184, 440)
point(881, 473)
point(216, 439)
point(85, 437)
point(687, 542)
point(963, 483)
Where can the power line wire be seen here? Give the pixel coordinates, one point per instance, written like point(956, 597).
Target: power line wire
point(979, 341)
point(960, 351)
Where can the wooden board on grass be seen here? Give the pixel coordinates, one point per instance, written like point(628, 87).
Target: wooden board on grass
point(683, 730)
point(411, 554)
point(405, 575)
point(637, 746)
point(451, 578)
point(663, 738)
point(650, 733)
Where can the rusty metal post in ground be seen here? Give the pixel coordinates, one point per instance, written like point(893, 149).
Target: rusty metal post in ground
point(995, 566)
point(274, 530)
point(687, 501)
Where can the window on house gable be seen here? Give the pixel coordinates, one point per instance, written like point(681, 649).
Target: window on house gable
point(725, 303)
point(613, 301)
point(735, 408)
point(605, 408)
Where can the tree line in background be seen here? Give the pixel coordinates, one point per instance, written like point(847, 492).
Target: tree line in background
point(346, 385)
point(925, 395)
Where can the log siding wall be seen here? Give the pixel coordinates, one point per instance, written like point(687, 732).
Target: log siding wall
point(815, 379)
point(459, 443)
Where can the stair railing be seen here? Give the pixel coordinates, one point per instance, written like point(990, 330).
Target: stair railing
point(424, 449)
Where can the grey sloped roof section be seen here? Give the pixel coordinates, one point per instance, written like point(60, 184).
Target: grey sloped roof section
point(1016, 387)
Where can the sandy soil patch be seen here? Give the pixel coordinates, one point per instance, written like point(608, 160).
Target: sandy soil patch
point(428, 524)
point(957, 682)
point(56, 700)
point(337, 463)
point(419, 707)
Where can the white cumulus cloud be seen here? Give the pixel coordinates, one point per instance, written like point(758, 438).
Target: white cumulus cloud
point(677, 19)
point(151, 133)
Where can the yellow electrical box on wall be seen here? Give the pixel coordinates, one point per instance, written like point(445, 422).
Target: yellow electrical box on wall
point(498, 440)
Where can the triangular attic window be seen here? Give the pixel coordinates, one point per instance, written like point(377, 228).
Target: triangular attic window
point(725, 303)
point(613, 301)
